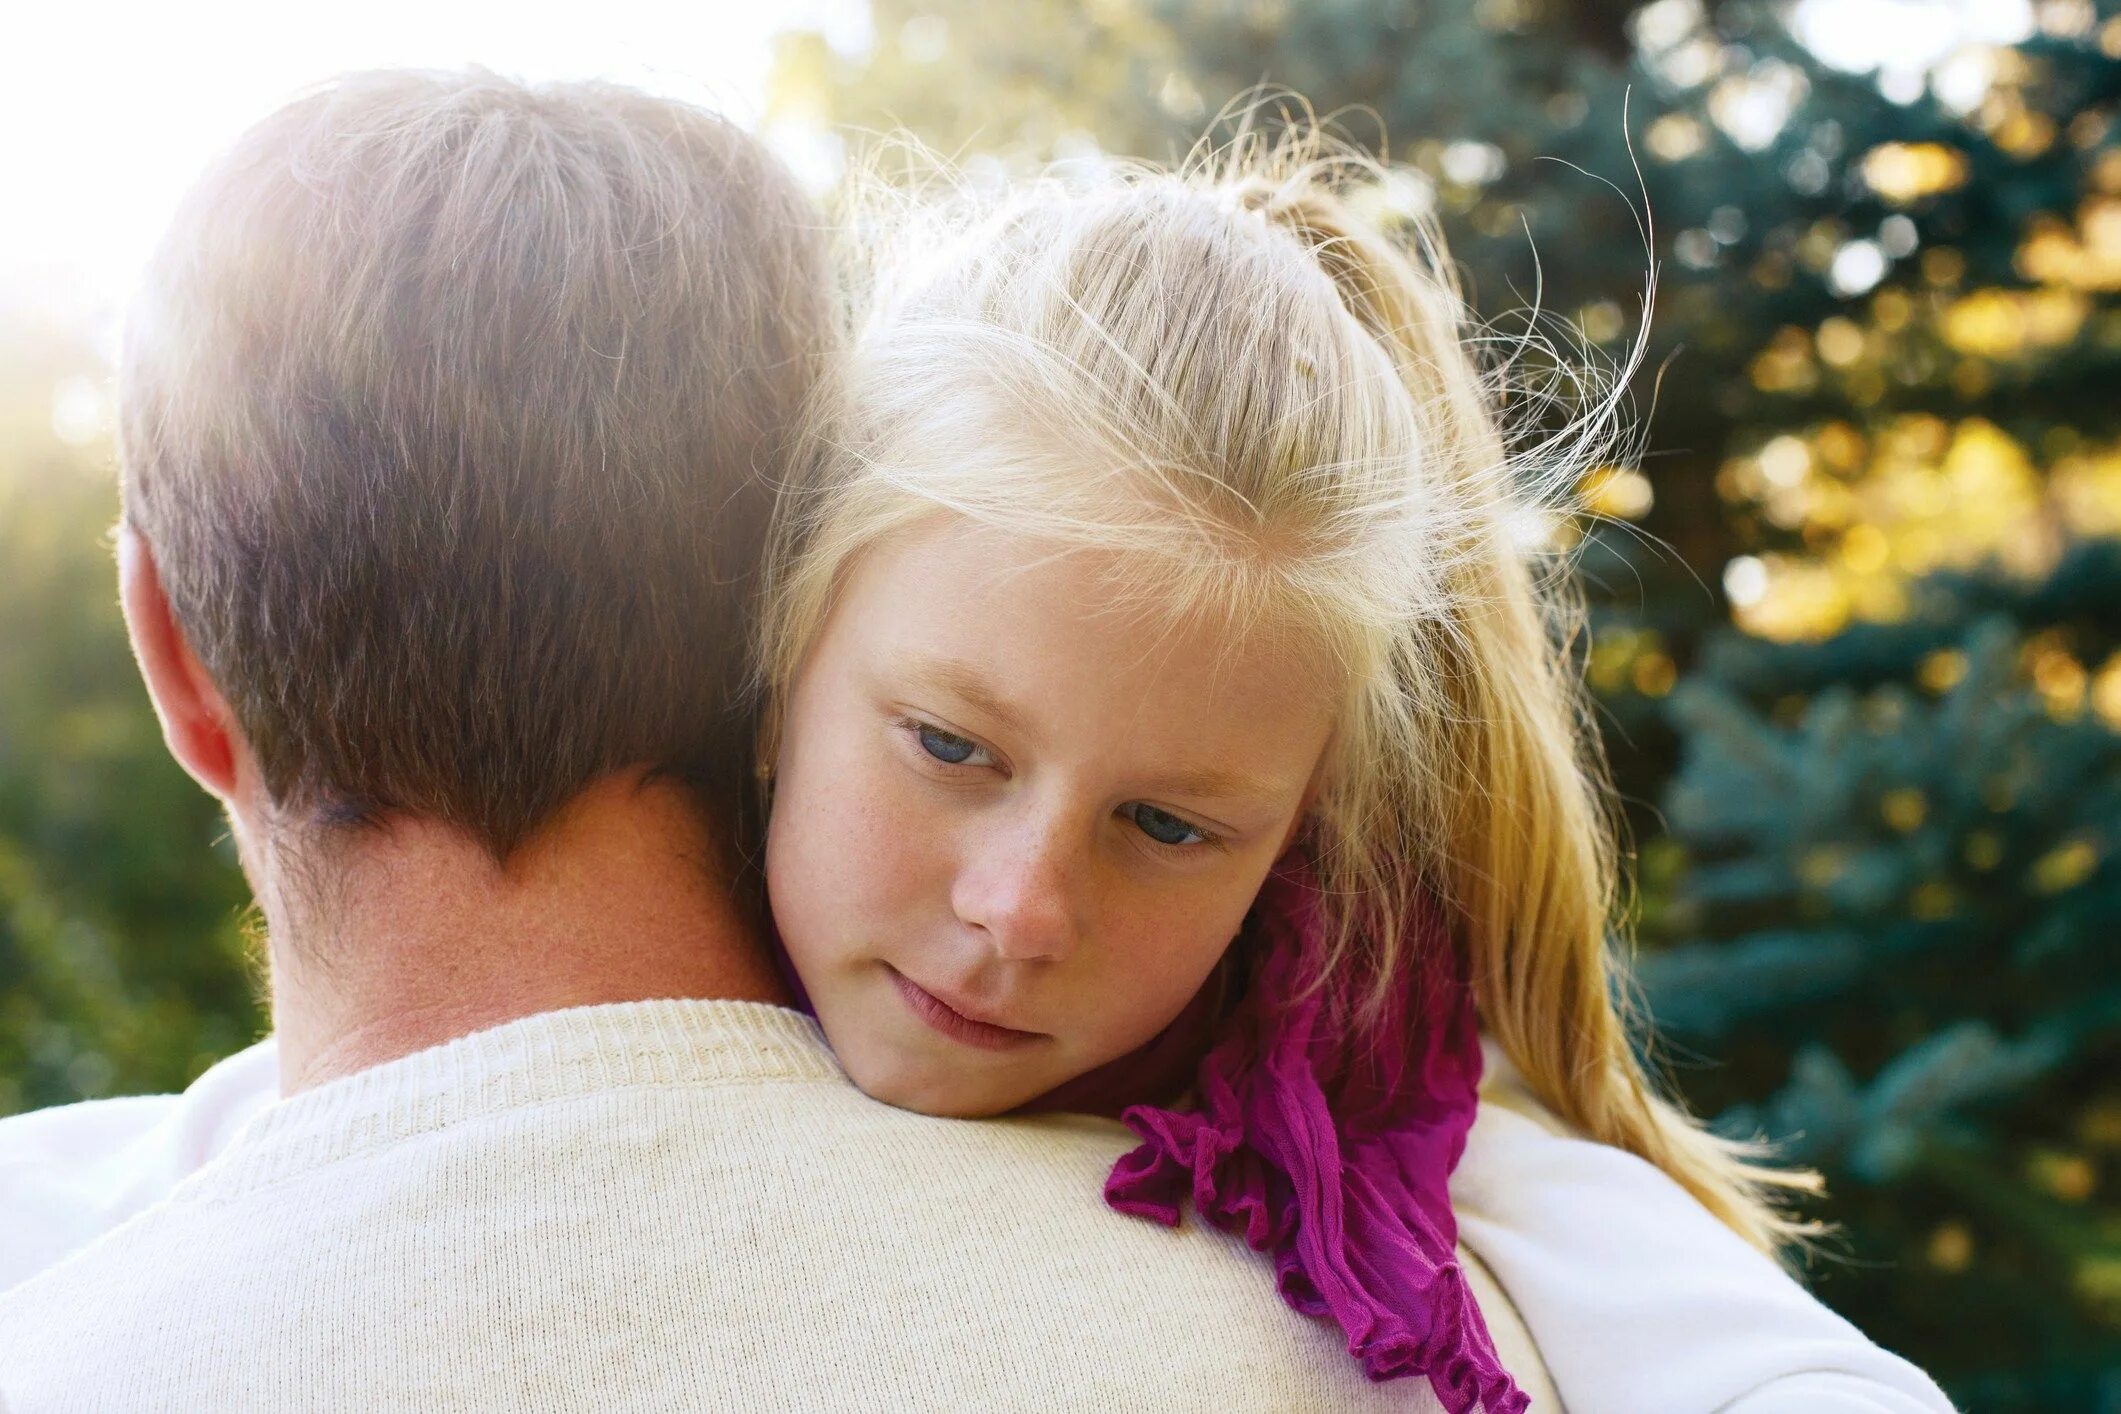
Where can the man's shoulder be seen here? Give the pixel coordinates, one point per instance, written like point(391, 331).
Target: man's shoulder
point(705, 1202)
point(703, 1228)
point(70, 1173)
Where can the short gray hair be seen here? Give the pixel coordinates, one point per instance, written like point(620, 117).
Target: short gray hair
point(453, 409)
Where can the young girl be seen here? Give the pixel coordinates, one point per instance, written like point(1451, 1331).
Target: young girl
point(1162, 701)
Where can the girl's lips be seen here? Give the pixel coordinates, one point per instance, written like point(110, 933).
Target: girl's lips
point(954, 1023)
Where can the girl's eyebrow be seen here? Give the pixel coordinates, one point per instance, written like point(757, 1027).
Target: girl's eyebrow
point(1216, 783)
point(965, 682)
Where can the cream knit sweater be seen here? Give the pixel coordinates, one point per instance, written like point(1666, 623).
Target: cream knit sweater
point(665, 1205)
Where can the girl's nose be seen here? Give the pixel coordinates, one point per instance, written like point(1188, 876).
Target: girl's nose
point(1020, 892)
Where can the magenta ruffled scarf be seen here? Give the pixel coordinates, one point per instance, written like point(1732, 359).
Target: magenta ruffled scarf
point(1331, 1146)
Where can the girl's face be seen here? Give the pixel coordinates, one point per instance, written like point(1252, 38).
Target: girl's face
point(1014, 827)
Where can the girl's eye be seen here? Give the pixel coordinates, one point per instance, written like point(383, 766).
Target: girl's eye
point(945, 747)
point(1164, 827)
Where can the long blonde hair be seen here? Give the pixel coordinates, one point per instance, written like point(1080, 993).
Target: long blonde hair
point(1255, 381)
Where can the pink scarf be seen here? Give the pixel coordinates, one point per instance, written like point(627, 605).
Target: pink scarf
point(1332, 1147)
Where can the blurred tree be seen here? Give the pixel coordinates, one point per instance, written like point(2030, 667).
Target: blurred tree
point(1854, 613)
point(1898, 905)
point(121, 962)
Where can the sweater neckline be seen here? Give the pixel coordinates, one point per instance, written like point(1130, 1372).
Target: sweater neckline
point(553, 1056)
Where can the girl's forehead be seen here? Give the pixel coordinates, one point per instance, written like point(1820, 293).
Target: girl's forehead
point(991, 571)
point(1056, 619)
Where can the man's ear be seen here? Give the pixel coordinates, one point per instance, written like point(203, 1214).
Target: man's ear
point(196, 723)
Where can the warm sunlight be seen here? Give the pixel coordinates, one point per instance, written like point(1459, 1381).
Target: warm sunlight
point(108, 111)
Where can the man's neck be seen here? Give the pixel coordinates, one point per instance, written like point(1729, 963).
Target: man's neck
point(417, 937)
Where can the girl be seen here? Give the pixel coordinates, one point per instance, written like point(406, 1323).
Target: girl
point(1161, 698)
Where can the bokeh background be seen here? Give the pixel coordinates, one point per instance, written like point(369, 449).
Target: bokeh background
point(1856, 594)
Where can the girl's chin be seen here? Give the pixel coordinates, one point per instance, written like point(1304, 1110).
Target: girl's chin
point(924, 1089)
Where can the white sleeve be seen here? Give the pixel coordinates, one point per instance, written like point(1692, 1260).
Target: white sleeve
point(1639, 1298)
point(72, 1173)
point(1834, 1392)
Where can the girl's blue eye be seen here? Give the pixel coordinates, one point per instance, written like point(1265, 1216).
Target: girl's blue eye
point(954, 750)
point(1162, 826)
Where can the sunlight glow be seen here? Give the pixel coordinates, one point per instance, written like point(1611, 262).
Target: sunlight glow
point(1906, 42)
point(108, 116)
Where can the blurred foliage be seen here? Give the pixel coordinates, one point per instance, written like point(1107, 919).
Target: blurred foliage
point(1856, 610)
point(1896, 906)
point(121, 961)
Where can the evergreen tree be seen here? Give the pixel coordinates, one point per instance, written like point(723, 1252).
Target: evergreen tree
point(1900, 903)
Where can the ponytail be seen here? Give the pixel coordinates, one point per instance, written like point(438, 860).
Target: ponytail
point(1530, 860)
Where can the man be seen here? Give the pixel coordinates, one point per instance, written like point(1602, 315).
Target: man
point(450, 418)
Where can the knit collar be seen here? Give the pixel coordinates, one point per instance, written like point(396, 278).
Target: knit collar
point(553, 1056)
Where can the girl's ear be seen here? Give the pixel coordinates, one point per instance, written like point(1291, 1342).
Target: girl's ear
point(196, 721)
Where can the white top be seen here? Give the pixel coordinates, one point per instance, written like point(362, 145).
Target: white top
point(1637, 1296)
point(657, 1200)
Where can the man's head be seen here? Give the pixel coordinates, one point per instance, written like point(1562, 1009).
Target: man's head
point(450, 417)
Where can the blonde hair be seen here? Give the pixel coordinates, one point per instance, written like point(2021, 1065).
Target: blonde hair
point(1240, 378)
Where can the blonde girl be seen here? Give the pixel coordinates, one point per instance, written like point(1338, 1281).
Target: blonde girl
point(1159, 580)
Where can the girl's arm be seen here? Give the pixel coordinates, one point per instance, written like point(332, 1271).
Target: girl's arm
point(72, 1173)
point(1637, 1297)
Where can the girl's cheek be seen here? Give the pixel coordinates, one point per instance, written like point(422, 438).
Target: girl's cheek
point(1170, 946)
point(896, 841)
point(827, 826)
